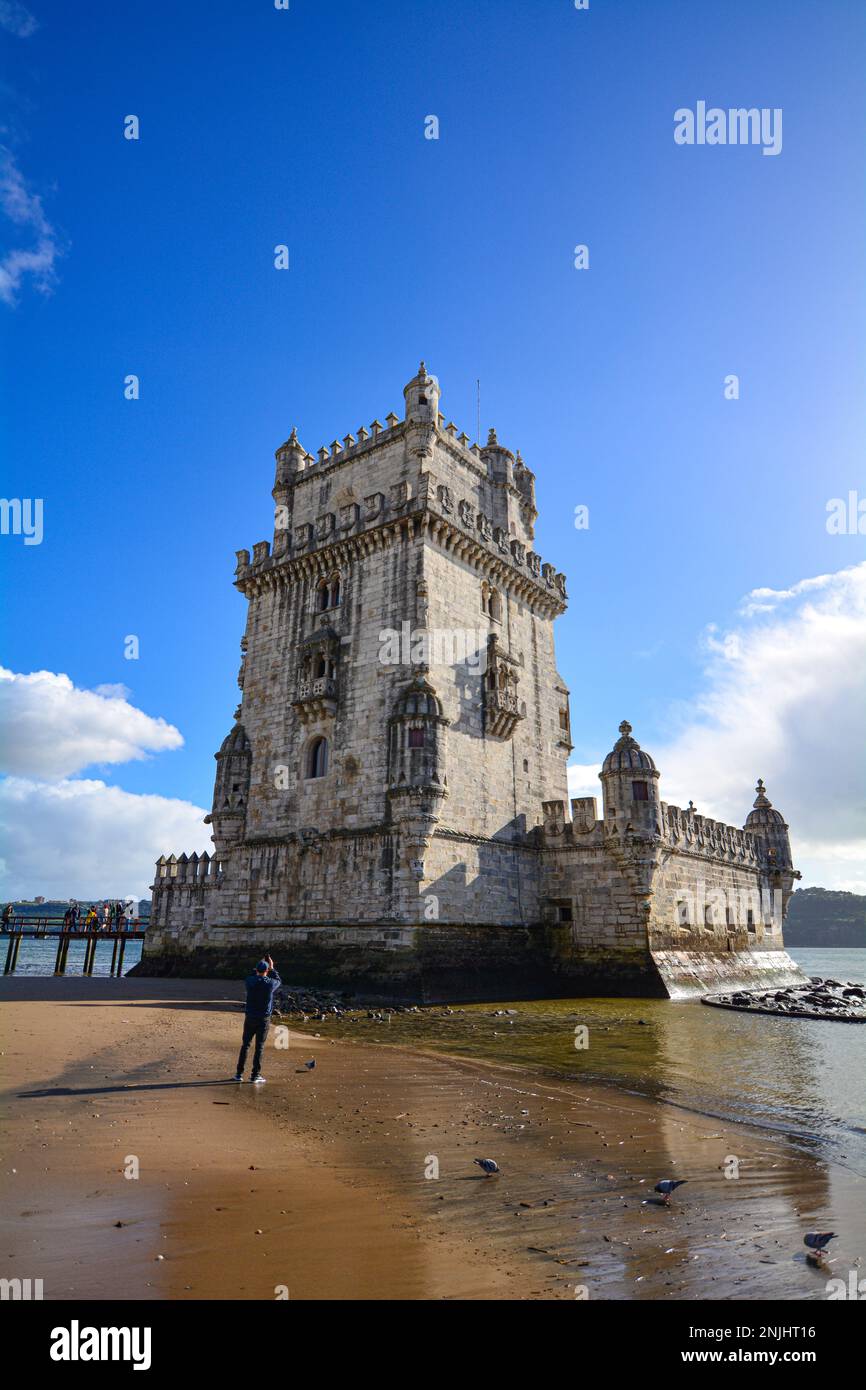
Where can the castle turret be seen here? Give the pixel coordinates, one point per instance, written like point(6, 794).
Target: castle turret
point(417, 784)
point(422, 412)
point(422, 398)
point(524, 480)
point(231, 789)
point(498, 460)
point(630, 788)
point(291, 459)
point(769, 825)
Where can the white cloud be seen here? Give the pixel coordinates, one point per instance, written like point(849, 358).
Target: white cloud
point(583, 779)
point(16, 19)
point(82, 839)
point(53, 729)
point(783, 699)
point(24, 210)
point(77, 837)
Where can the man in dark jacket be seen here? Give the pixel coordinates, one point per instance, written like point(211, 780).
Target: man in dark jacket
point(261, 987)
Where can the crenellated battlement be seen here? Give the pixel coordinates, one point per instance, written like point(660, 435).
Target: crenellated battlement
point(408, 478)
point(476, 458)
point(201, 870)
point(697, 834)
point(685, 830)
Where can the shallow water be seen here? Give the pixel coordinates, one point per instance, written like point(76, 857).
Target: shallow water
point(800, 1077)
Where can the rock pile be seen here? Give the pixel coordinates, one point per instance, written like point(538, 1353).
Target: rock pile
point(818, 999)
point(320, 1004)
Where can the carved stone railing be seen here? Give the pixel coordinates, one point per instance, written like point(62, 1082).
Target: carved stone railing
point(504, 712)
point(316, 698)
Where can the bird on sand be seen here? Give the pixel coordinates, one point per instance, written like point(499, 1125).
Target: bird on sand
point(668, 1186)
point(311, 1065)
point(489, 1165)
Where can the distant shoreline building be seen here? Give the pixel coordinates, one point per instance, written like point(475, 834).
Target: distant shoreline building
point(390, 810)
point(55, 907)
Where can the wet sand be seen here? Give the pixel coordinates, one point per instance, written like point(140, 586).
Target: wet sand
point(316, 1184)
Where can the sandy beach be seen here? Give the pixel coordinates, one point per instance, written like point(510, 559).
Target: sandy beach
point(321, 1184)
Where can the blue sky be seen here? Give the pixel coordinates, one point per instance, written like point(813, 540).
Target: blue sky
point(306, 127)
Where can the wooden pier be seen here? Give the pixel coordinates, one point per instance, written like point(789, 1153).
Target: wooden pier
point(45, 928)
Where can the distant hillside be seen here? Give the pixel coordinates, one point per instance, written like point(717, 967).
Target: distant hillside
point(819, 917)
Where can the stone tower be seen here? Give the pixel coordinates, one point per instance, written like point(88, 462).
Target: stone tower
point(389, 808)
point(401, 717)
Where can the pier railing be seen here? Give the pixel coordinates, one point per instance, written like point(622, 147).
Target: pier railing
point(52, 928)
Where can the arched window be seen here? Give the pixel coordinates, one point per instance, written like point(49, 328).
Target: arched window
point(320, 668)
point(317, 758)
point(327, 593)
point(491, 602)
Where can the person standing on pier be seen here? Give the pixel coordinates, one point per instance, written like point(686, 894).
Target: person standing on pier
point(8, 914)
point(261, 987)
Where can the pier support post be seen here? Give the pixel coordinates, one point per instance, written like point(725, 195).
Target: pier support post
point(10, 956)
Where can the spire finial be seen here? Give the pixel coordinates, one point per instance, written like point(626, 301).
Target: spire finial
point(761, 799)
point(422, 370)
point(625, 728)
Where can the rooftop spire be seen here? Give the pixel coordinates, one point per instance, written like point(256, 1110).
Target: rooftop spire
point(761, 801)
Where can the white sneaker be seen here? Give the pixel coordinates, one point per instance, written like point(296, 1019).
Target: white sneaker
point(258, 1081)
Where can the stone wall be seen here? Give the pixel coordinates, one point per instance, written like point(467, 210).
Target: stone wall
point(425, 964)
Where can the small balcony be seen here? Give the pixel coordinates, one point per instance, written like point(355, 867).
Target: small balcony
point(504, 712)
point(316, 698)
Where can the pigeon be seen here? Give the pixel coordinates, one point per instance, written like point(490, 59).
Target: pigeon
point(668, 1186)
point(489, 1165)
point(311, 1065)
point(818, 1240)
